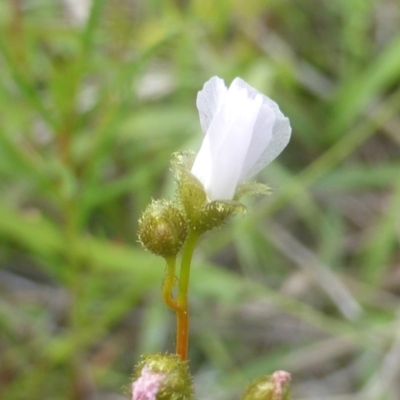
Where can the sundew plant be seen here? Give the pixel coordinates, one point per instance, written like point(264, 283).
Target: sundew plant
point(99, 130)
point(243, 132)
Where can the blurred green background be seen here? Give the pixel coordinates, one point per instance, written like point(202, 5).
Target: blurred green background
point(94, 99)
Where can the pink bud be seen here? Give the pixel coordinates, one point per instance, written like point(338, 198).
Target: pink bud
point(280, 379)
point(147, 385)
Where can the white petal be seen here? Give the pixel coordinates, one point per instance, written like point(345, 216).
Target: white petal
point(261, 139)
point(240, 83)
point(268, 140)
point(228, 139)
point(281, 131)
point(209, 99)
point(201, 168)
point(245, 131)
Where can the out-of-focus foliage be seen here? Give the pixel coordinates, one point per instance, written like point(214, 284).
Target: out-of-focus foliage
point(94, 101)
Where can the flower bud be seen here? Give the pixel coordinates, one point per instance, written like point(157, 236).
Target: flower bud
point(162, 228)
point(147, 386)
point(162, 377)
point(269, 387)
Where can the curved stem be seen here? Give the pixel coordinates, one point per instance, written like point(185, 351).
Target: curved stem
point(169, 283)
point(182, 331)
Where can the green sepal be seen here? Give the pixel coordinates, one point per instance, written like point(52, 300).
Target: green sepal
point(214, 214)
point(251, 189)
point(183, 160)
point(201, 214)
point(190, 191)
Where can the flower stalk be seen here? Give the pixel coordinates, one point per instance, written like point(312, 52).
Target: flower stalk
point(182, 331)
point(169, 283)
point(180, 304)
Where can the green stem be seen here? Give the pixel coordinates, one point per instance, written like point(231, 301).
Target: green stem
point(169, 283)
point(182, 332)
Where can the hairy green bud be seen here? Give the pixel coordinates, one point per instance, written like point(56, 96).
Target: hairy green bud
point(162, 228)
point(165, 372)
point(269, 387)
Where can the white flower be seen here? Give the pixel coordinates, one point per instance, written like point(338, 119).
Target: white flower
point(244, 131)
